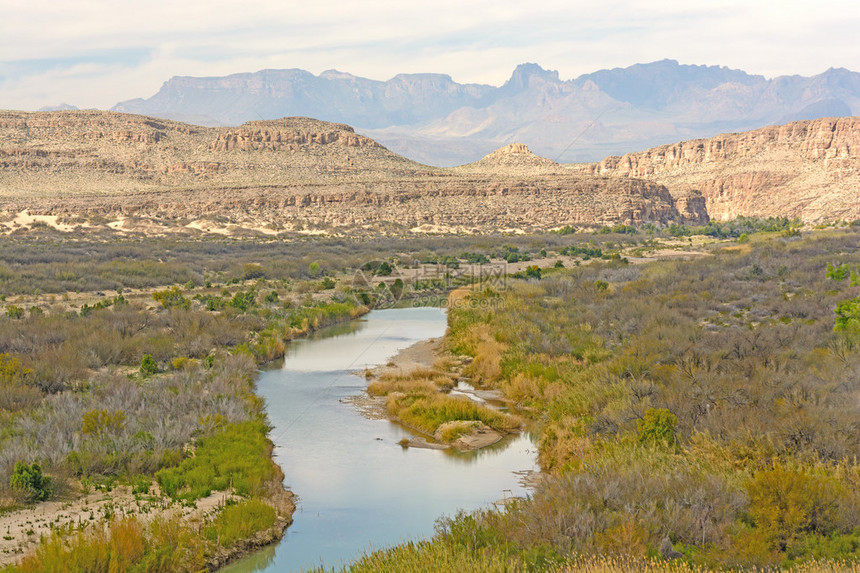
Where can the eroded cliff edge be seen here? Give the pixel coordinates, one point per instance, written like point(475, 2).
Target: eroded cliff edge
point(294, 174)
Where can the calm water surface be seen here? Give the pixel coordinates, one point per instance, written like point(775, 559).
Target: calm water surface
point(358, 489)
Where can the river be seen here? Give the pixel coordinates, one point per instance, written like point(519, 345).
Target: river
point(358, 489)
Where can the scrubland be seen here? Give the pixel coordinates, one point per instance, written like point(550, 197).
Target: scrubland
point(699, 411)
point(693, 415)
point(150, 390)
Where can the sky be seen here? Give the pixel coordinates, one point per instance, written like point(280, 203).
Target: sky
point(96, 53)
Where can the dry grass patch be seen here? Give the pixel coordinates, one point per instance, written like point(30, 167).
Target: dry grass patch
point(421, 380)
point(428, 413)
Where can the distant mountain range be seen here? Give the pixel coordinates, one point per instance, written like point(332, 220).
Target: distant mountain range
point(435, 120)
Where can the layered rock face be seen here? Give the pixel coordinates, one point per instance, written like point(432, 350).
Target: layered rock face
point(256, 136)
point(295, 174)
point(804, 169)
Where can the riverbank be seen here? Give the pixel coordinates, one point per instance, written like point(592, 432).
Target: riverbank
point(357, 487)
point(284, 503)
point(25, 529)
point(84, 510)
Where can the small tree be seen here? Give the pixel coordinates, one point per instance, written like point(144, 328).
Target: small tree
point(243, 300)
point(848, 310)
point(848, 315)
point(148, 365)
point(396, 289)
point(839, 273)
point(383, 270)
point(29, 481)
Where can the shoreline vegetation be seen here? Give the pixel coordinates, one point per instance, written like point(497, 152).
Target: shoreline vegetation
point(715, 378)
point(693, 415)
point(422, 388)
point(177, 449)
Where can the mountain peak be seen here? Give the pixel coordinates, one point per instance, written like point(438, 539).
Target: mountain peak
point(516, 156)
point(524, 73)
point(337, 75)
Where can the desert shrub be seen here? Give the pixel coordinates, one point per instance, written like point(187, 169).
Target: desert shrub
point(243, 300)
point(657, 427)
point(140, 484)
point(98, 422)
point(14, 312)
point(172, 298)
point(148, 365)
point(252, 271)
point(212, 302)
point(787, 502)
point(27, 480)
point(17, 391)
point(848, 315)
point(837, 273)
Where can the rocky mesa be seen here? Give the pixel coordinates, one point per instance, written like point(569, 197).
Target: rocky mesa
point(130, 172)
point(804, 169)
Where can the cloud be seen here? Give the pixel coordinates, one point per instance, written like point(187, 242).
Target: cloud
point(96, 53)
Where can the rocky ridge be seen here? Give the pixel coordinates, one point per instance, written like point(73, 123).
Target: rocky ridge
point(805, 169)
point(84, 168)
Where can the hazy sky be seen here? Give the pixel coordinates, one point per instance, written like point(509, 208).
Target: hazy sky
point(95, 53)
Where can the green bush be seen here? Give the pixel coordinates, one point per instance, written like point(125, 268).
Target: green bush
point(243, 300)
point(100, 422)
point(172, 298)
point(839, 273)
point(657, 426)
point(15, 312)
point(29, 481)
point(847, 314)
point(787, 502)
point(148, 365)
